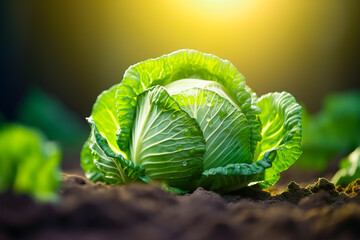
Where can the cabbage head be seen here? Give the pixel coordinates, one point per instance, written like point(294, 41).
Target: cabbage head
point(188, 120)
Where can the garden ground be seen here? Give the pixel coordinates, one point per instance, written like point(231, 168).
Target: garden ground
point(137, 211)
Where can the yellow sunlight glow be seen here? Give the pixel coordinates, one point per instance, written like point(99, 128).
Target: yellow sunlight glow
point(223, 9)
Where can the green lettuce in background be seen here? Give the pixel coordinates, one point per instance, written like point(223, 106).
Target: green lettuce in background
point(333, 132)
point(28, 162)
point(349, 169)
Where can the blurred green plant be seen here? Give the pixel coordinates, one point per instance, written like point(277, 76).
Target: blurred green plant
point(28, 163)
point(349, 169)
point(44, 112)
point(333, 132)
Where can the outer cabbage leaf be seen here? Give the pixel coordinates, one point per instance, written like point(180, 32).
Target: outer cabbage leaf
point(101, 158)
point(281, 120)
point(105, 117)
point(28, 163)
point(181, 65)
point(87, 160)
point(235, 176)
point(166, 141)
point(100, 163)
point(349, 169)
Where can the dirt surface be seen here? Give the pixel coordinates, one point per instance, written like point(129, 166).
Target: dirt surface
point(96, 211)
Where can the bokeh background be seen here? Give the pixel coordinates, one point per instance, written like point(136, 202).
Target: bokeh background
point(74, 49)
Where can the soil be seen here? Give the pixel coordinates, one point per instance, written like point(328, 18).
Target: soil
point(87, 210)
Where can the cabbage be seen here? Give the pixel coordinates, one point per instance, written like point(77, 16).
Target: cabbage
point(188, 119)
